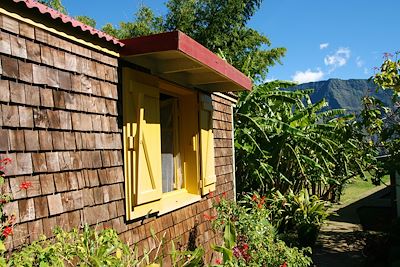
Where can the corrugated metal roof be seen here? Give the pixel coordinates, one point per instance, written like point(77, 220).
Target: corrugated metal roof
point(54, 14)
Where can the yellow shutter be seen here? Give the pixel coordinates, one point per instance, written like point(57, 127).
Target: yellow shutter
point(142, 147)
point(207, 168)
point(189, 141)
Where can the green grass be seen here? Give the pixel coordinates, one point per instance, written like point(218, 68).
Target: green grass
point(357, 188)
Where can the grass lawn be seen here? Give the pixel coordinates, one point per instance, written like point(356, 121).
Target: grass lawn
point(359, 187)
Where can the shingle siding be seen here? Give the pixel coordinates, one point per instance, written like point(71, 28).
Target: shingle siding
point(59, 123)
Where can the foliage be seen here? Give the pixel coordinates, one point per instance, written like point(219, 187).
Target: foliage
point(86, 20)
point(379, 124)
point(92, 248)
point(218, 25)
point(7, 221)
point(309, 209)
point(183, 258)
point(145, 23)
point(309, 216)
point(291, 214)
point(57, 5)
point(221, 26)
point(54, 4)
point(389, 75)
point(250, 239)
point(284, 141)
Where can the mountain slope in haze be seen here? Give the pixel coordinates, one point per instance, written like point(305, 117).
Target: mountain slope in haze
point(345, 94)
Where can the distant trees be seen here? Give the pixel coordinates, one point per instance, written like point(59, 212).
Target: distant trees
point(54, 4)
point(221, 26)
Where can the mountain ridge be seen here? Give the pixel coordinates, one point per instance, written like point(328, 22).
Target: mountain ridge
point(345, 94)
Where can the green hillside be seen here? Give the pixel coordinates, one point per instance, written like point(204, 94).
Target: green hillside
point(344, 93)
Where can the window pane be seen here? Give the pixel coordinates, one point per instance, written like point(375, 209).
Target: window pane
point(169, 151)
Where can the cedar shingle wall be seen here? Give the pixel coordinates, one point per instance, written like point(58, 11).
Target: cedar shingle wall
point(59, 123)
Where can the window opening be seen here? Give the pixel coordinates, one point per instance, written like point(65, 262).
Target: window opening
point(170, 156)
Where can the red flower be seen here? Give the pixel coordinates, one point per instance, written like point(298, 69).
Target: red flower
point(224, 194)
point(7, 231)
point(217, 199)
point(284, 264)
point(254, 197)
point(211, 194)
point(209, 217)
point(25, 185)
point(218, 261)
point(245, 246)
point(6, 161)
point(260, 205)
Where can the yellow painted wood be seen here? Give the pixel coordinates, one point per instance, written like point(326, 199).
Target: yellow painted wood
point(178, 156)
point(143, 178)
point(207, 161)
point(145, 209)
point(60, 33)
point(177, 199)
point(148, 138)
point(189, 135)
point(142, 145)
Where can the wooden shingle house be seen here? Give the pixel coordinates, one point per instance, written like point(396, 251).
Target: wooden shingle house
point(129, 134)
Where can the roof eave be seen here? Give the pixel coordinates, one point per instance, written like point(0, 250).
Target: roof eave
point(176, 57)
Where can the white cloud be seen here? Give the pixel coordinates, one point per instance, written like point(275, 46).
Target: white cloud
point(338, 59)
point(307, 76)
point(359, 62)
point(366, 71)
point(323, 45)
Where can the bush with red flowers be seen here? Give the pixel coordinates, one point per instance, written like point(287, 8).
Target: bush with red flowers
point(249, 238)
point(7, 221)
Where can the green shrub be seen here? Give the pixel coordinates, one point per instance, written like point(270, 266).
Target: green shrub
point(297, 217)
point(310, 214)
point(91, 248)
point(250, 239)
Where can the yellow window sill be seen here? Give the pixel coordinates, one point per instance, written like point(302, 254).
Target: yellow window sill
point(177, 199)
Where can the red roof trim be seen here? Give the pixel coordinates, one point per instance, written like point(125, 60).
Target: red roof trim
point(181, 42)
point(54, 14)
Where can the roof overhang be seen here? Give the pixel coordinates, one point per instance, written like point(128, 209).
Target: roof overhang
point(176, 57)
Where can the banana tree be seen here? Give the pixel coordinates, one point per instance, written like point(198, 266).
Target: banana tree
point(285, 141)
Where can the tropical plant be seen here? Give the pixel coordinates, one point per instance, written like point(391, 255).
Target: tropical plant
point(91, 248)
point(7, 221)
point(286, 142)
point(250, 239)
point(378, 125)
point(310, 214)
point(388, 76)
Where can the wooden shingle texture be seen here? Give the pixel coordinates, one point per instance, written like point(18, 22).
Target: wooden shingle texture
point(59, 123)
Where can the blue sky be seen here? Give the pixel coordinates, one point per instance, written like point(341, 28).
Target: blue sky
point(325, 39)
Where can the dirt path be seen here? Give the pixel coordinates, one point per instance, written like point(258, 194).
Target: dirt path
point(341, 240)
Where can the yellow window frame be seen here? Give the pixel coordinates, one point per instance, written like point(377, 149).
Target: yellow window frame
point(192, 130)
